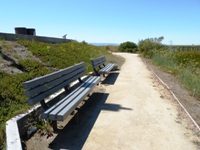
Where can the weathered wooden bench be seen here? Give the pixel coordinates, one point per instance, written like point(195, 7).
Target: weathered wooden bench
point(40, 88)
point(99, 66)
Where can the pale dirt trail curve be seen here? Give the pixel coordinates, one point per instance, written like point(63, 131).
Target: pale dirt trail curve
point(133, 112)
point(146, 120)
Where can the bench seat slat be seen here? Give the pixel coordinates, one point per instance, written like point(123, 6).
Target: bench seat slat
point(106, 69)
point(63, 114)
point(41, 80)
point(55, 106)
point(70, 98)
point(49, 92)
point(70, 102)
point(96, 62)
point(42, 88)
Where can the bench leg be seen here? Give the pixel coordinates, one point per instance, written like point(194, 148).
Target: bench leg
point(76, 118)
point(54, 125)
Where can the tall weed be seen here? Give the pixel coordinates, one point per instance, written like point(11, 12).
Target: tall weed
point(184, 64)
point(191, 81)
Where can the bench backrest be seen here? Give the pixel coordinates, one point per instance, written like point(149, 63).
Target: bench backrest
point(96, 62)
point(40, 88)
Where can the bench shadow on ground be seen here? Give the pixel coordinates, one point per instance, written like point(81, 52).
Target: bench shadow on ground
point(111, 78)
point(75, 133)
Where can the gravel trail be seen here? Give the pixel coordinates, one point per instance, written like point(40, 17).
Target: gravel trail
point(129, 110)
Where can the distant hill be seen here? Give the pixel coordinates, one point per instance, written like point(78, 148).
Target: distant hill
point(105, 44)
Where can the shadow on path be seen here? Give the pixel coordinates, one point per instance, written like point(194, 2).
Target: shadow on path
point(74, 134)
point(111, 78)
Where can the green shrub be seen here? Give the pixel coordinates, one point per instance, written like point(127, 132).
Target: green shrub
point(150, 46)
point(188, 58)
point(2, 135)
point(128, 47)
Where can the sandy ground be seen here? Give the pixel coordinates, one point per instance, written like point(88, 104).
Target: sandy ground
point(129, 110)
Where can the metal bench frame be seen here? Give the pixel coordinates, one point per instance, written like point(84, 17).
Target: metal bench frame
point(99, 66)
point(40, 88)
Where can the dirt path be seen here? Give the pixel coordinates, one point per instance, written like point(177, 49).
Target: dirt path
point(130, 110)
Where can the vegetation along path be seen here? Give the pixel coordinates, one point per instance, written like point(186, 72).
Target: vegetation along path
point(134, 111)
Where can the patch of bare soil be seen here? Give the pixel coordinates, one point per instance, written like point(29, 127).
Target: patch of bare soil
point(10, 54)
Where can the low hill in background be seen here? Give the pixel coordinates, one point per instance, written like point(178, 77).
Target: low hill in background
point(105, 44)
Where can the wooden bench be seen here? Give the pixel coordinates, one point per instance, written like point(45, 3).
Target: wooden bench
point(40, 88)
point(99, 66)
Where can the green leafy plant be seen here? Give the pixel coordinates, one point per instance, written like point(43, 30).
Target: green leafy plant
point(128, 47)
point(45, 127)
point(150, 46)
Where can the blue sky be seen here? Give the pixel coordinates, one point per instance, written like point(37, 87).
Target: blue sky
point(106, 21)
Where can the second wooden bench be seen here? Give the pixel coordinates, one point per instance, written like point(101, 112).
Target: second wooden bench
point(100, 67)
